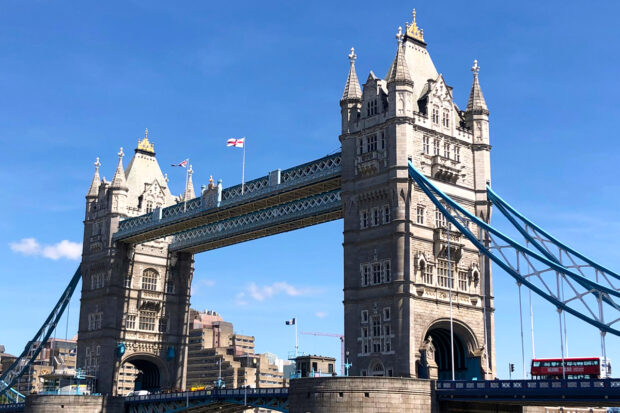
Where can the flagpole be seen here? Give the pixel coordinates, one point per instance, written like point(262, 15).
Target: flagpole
point(243, 168)
point(185, 189)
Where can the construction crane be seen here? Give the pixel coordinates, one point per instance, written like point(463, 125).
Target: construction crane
point(340, 336)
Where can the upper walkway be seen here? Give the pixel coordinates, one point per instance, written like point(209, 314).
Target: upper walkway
point(291, 196)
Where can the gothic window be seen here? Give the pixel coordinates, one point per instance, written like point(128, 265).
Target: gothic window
point(420, 214)
point(386, 314)
point(130, 322)
point(372, 107)
point(94, 321)
point(147, 321)
point(364, 316)
point(386, 214)
point(445, 120)
point(426, 145)
point(149, 206)
point(435, 115)
point(446, 150)
point(149, 279)
point(387, 271)
point(382, 139)
point(440, 219)
point(375, 326)
point(427, 275)
point(376, 217)
point(128, 280)
point(163, 325)
point(462, 281)
point(376, 273)
point(457, 153)
point(435, 146)
point(97, 280)
point(364, 219)
point(365, 270)
point(371, 143)
point(170, 288)
point(445, 273)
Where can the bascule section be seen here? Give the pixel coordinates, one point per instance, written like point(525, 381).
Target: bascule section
point(135, 297)
point(411, 280)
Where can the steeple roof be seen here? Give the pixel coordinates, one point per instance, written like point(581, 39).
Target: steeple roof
point(94, 186)
point(399, 71)
point(352, 89)
point(476, 100)
point(189, 186)
point(144, 145)
point(119, 180)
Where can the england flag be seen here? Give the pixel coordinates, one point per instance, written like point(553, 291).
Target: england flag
point(237, 143)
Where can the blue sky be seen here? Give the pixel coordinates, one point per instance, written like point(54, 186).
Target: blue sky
point(79, 80)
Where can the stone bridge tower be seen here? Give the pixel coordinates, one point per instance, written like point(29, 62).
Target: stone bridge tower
point(135, 298)
point(402, 264)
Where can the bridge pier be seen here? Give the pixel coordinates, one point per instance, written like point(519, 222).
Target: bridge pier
point(73, 404)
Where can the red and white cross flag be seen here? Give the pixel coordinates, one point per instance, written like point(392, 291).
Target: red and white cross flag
point(237, 143)
point(182, 164)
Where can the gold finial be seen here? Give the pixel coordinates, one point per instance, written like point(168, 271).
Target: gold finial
point(144, 144)
point(211, 182)
point(413, 30)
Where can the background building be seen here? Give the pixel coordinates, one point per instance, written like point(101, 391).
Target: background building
point(215, 349)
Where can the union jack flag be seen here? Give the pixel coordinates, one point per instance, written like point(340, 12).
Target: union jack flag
point(182, 164)
point(237, 143)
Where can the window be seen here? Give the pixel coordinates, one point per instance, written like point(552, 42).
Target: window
point(371, 143)
point(163, 325)
point(445, 120)
point(386, 314)
point(376, 273)
point(387, 272)
point(440, 219)
point(376, 346)
point(445, 273)
point(435, 146)
point(365, 269)
point(149, 279)
point(365, 347)
point(170, 288)
point(94, 321)
point(97, 280)
point(426, 145)
point(128, 280)
point(372, 107)
point(376, 327)
point(420, 214)
point(386, 214)
point(147, 320)
point(149, 206)
point(364, 316)
point(376, 217)
point(364, 219)
point(130, 321)
point(462, 281)
point(382, 139)
point(446, 150)
point(457, 153)
point(387, 331)
point(435, 115)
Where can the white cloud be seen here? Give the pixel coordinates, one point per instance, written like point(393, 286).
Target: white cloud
point(321, 314)
point(63, 249)
point(260, 293)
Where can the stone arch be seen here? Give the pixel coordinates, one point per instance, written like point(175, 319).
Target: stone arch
point(376, 368)
point(467, 361)
point(150, 279)
point(151, 372)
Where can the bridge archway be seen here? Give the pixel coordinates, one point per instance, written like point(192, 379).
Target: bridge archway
point(149, 372)
point(467, 365)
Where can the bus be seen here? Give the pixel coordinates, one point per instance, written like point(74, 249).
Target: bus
point(574, 368)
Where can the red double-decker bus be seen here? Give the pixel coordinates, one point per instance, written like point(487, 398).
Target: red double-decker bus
point(574, 368)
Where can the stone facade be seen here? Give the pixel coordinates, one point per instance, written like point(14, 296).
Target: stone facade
point(360, 394)
point(399, 253)
point(135, 299)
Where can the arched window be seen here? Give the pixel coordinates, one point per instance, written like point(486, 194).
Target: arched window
point(149, 206)
point(149, 279)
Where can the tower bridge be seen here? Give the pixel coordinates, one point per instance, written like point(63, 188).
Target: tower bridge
point(412, 186)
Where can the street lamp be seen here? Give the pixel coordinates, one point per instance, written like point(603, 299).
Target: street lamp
point(347, 365)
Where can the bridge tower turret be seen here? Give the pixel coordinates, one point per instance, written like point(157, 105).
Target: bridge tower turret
point(351, 100)
point(135, 298)
point(402, 264)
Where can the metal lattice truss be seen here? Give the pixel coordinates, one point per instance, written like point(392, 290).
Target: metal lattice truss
point(33, 348)
point(279, 186)
point(237, 400)
point(568, 288)
point(281, 218)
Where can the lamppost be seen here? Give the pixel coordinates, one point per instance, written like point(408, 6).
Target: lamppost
point(347, 365)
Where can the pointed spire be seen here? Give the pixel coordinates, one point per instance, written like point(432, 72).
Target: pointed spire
point(476, 100)
point(119, 176)
point(352, 90)
point(189, 185)
point(399, 71)
point(94, 186)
